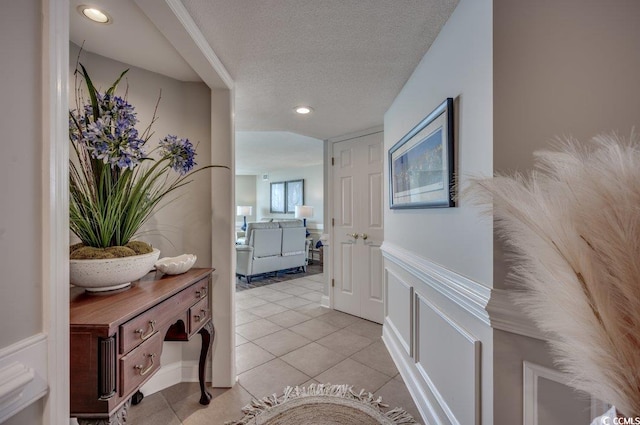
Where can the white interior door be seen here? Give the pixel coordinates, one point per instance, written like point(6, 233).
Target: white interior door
point(358, 226)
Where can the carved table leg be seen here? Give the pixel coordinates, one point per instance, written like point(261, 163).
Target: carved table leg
point(207, 333)
point(118, 418)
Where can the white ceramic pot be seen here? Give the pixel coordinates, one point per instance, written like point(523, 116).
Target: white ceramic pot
point(110, 273)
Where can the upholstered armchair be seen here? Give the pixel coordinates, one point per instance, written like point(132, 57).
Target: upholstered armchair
point(271, 247)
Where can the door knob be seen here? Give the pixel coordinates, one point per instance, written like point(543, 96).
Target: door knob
point(364, 236)
point(353, 235)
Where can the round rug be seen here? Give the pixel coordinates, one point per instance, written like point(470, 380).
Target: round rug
point(320, 404)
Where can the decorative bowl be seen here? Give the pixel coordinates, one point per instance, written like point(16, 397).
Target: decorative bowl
point(176, 265)
point(110, 273)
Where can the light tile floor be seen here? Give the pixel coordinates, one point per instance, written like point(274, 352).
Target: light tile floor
point(284, 337)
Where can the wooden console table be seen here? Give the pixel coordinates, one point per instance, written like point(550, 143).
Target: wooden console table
point(116, 339)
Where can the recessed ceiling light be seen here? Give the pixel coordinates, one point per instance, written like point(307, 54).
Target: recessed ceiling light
point(96, 15)
point(303, 110)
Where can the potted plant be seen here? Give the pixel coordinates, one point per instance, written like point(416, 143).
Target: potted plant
point(116, 186)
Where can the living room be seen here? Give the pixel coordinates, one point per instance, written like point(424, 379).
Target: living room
point(265, 164)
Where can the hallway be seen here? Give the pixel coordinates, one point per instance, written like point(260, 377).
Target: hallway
point(284, 337)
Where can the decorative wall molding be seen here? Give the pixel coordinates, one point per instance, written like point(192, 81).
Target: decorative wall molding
point(15, 379)
point(468, 294)
point(23, 374)
point(506, 316)
point(531, 373)
point(407, 345)
point(409, 374)
point(493, 307)
point(475, 352)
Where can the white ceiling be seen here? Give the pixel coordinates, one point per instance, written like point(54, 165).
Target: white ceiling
point(131, 38)
point(265, 151)
point(346, 59)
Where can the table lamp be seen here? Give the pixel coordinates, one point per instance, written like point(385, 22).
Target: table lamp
point(304, 212)
point(244, 211)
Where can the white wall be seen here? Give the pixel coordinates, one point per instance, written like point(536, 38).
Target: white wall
point(458, 65)
point(313, 193)
point(438, 262)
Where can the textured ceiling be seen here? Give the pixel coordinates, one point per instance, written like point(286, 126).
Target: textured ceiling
point(258, 152)
point(347, 59)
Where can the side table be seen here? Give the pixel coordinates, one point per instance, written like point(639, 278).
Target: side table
point(116, 339)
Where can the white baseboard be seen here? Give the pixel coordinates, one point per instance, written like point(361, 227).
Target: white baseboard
point(410, 377)
point(324, 301)
point(23, 374)
point(172, 374)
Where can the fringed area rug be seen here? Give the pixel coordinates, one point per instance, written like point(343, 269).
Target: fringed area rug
point(320, 404)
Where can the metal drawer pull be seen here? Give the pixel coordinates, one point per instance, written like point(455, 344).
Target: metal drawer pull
point(201, 316)
point(201, 293)
point(353, 235)
point(365, 236)
point(152, 325)
point(148, 369)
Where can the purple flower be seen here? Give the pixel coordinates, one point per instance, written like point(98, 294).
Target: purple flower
point(111, 138)
point(180, 153)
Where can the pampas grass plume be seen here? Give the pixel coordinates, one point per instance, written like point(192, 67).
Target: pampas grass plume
point(573, 225)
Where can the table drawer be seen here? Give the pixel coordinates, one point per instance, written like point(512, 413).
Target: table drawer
point(198, 314)
point(140, 364)
point(144, 326)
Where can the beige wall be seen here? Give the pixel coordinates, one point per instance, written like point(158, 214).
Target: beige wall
point(183, 225)
point(246, 196)
point(313, 193)
point(561, 68)
point(21, 171)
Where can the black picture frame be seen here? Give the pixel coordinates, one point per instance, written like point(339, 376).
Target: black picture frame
point(278, 198)
point(421, 163)
point(294, 190)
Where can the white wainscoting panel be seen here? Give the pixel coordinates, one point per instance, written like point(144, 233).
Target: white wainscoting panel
point(398, 309)
point(547, 400)
point(468, 294)
point(23, 374)
point(440, 341)
point(375, 273)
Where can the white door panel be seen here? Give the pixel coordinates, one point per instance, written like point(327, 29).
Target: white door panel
point(358, 226)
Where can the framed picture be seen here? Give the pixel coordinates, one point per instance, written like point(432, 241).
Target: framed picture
point(278, 197)
point(295, 194)
point(421, 163)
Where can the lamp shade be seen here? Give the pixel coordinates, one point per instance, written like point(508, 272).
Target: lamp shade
point(303, 211)
point(243, 210)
